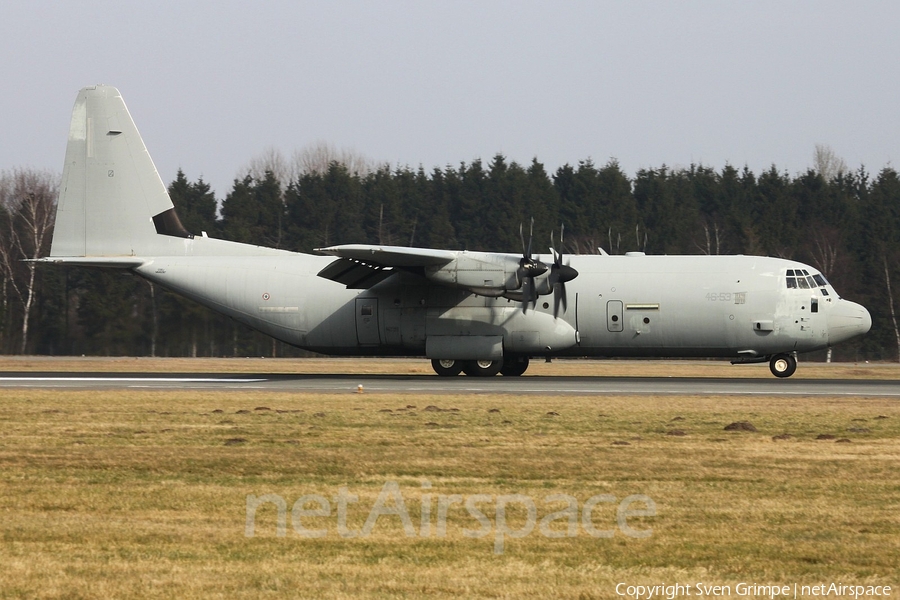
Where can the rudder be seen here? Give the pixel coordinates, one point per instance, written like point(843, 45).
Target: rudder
point(112, 200)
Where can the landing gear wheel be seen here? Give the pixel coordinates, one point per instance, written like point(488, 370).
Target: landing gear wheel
point(514, 368)
point(783, 365)
point(482, 368)
point(446, 367)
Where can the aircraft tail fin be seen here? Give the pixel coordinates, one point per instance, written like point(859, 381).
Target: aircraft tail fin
point(112, 202)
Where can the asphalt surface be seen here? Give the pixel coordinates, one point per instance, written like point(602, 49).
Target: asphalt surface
point(462, 385)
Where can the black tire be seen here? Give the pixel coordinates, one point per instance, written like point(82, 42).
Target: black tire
point(514, 368)
point(482, 368)
point(783, 365)
point(446, 367)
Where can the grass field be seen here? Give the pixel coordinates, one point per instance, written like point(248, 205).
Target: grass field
point(136, 494)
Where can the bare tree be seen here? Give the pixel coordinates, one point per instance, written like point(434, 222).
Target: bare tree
point(28, 201)
point(828, 164)
point(314, 158)
point(272, 160)
point(317, 158)
point(825, 253)
point(713, 244)
point(887, 280)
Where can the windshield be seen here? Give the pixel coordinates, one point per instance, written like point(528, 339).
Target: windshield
point(801, 279)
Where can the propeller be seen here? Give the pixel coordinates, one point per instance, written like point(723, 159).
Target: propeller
point(529, 268)
point(559, 274)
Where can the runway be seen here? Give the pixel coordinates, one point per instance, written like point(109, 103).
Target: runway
point(412, 384)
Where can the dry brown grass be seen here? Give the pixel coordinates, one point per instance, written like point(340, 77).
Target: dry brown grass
point(134, 494)
point(351, 366)
point(143, 494)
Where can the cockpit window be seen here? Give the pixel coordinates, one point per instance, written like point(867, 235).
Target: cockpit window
point(801, 279)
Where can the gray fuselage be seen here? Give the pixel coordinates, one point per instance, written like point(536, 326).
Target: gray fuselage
point(636, 305)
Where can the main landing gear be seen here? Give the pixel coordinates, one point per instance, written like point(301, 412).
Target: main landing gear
point(783, 365)
point(510, 367)
point(446, 367)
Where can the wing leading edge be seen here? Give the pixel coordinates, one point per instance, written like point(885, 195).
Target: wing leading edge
point(391, 256)
point(361, 266)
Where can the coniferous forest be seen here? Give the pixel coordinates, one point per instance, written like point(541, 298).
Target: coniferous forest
point(847, 224)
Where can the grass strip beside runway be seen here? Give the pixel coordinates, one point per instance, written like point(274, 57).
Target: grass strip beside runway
point(142, 494)
point(421, 366)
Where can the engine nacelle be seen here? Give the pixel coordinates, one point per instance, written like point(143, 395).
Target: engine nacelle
point(481, 273)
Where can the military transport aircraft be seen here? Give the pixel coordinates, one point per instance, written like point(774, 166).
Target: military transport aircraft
point(481, 313)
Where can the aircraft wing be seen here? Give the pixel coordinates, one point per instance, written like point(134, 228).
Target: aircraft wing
point(493, 274)
point(360, 266)
point(391, 256)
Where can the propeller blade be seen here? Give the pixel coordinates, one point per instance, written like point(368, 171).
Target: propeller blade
point(530, 237)
point(559, 274)
point(559, 298)
point(557, 256)
point(528, 295)
point(529, 268)
point(526, 250)
point(522, 237)
point(553, 247)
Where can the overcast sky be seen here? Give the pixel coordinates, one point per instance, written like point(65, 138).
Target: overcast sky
point(213, 84)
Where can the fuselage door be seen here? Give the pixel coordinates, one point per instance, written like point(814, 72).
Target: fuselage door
point(614, 316)
point(367, 322)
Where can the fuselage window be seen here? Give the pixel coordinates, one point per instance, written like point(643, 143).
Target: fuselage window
point(814, 306)
point(824, 291)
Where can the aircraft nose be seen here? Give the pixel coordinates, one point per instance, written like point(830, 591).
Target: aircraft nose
point(847, 320)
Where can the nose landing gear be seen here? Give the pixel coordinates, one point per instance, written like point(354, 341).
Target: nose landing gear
point(783, 365)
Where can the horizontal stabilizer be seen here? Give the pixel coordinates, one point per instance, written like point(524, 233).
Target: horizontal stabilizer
point(112, 262)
